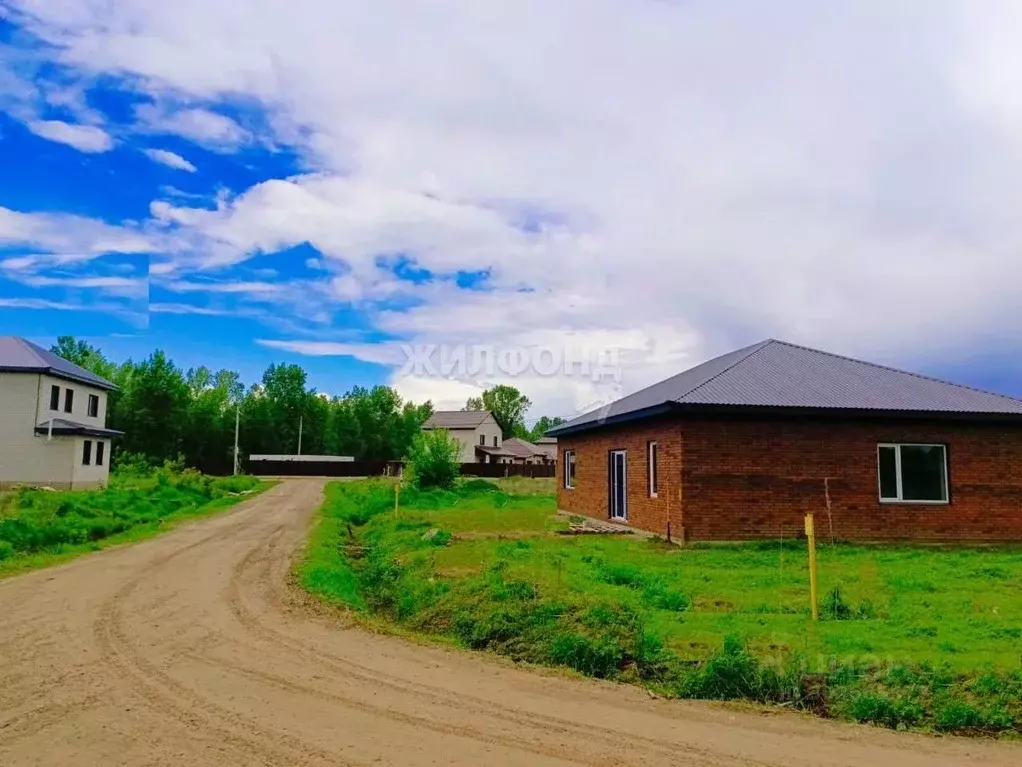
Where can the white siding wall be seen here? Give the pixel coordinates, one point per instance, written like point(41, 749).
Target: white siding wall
point(91, 475)
point(25, 457)
point(469, 438)
point(80, 402)
point(464, 438)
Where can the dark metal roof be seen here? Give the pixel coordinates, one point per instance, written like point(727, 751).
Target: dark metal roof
point(20, 356)
point(775, 374)
point(456, 419)
point(64, 427)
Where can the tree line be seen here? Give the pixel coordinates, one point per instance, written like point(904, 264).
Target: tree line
point(166, 412)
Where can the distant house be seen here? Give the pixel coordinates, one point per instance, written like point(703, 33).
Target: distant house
point(52, 420)
point(743, 446)
point(527, 453)
point(477, 432)
point(548, 445)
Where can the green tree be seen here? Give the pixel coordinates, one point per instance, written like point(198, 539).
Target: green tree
point(84, 355)
point(543, 425)
point(508, 406)
point(433, 460)
point(154, 409)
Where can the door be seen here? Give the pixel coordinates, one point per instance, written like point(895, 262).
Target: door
point(618, 485)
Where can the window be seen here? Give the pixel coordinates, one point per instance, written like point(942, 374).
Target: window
point(651, 460)
point(482, 440)
point(494, 441)
point(100, 446)
point(54, 398)
point(912, 473)
point(93, 406)
point(569, 469)
point(87, 452)
point(69, 400)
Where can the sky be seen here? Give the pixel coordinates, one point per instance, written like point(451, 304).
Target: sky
point(647, 183)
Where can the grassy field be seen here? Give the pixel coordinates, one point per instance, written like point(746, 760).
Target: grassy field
point(39, 528)
point(927, 637)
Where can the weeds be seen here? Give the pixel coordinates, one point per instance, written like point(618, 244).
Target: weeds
point(475, 565)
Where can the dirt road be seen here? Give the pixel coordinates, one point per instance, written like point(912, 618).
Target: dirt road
point(190, 650)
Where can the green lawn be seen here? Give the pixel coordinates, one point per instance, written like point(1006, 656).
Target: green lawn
point(40, 528)
point(911, 635)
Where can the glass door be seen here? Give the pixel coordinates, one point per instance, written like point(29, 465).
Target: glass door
point(618, 485)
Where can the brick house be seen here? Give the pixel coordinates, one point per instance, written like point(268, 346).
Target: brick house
point(744, 445)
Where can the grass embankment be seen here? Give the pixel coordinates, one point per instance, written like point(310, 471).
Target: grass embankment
point(39, 528)
point(911, 636)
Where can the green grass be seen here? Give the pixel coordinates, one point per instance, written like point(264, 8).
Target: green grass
point(40, 528)
point(911, 636)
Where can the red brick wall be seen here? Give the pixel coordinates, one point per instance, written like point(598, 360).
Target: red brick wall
point(591, 496)
point(740, 479)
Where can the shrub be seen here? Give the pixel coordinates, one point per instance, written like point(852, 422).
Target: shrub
point(877, 708)
point(6, 550)
point(434, 460)
point(599, 657)
point(731, 673)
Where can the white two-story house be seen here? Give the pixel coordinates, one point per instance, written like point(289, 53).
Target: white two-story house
point(52, 420)
point(476, 431)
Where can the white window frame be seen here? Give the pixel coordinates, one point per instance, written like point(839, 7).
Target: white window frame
point(897, 472)
point(652, 473)
point(569, 466)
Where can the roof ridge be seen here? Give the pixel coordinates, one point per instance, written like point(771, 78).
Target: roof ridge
point(751, 350)
point(896, 370)
point(31, 348)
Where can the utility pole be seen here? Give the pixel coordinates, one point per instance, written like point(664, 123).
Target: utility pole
point(237, 423)
point(301, 420)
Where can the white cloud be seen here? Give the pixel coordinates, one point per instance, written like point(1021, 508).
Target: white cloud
point(210, 129)
point(247, 287)
point(42, 304)
point(170, 159)
point(75, 238)
point(676, 178)
point(162, 308)
point(84, 138)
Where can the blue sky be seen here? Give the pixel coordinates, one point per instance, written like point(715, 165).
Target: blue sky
point(328, 184)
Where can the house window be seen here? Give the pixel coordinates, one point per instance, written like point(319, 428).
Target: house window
point(494, 441)
point(87, 452)
point(482, 440)
point(93, 406)
point(912, 473)
point(651, 460)
point(100, 446)
point(54, 398)
point(569, 469)
point(69, 400)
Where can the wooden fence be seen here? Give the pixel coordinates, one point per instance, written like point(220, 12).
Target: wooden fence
point(386, 468)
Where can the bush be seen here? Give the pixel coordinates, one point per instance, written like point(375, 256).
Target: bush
point(731, 673)
point(877, 708)
point(434, 460)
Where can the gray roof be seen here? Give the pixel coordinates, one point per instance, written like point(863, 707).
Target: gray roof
point(20, 356)
point(521, 448)
point(776, 374)
point(456, 419)
point(64, 426)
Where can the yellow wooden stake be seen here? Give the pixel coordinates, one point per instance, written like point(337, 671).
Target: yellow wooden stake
point(811, 535)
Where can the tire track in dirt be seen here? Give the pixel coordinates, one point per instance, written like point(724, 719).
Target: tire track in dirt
point(552, 726)
point(163, 694)
point(192, 649)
